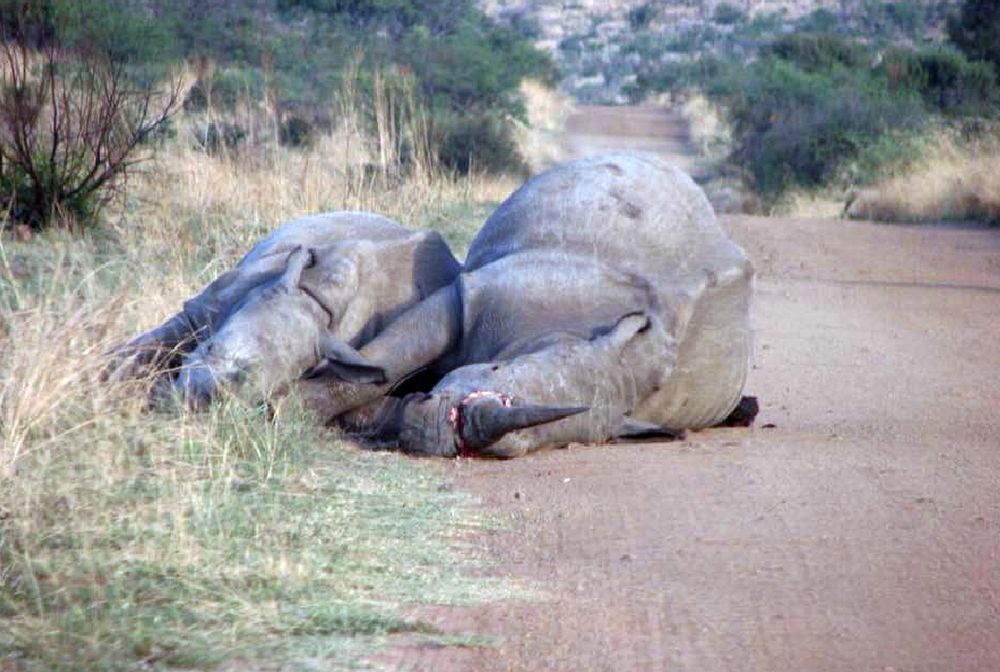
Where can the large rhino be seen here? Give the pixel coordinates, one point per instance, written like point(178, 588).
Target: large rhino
point(316, 287)
point(601, 300)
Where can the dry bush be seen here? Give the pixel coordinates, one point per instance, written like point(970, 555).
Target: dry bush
point(808, 204)
point(71, 126)
point(711, 134)
point(539, 140)
point(955, 179)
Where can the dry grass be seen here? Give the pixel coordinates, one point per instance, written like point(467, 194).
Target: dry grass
point(133, 539)
point(539, 141)
point(710, 132)
point(810, 205)
point(953, 180)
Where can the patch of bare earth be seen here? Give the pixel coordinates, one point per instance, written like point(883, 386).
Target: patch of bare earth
point(855, 527)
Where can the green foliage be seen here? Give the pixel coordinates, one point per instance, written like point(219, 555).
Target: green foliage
point(694, 38)
point(873, 19)
point(297, 50)
point(69, 132)
point(946, 79)
point(797, 128)
point(836, 97)
point(820, 52)
point(480, 143)
point(641, 16)
point(478, 67)
point(976, 30)
point(36, 198)
point(909, 18)
point(728, 14)
point(820, 20)
point(117, 29)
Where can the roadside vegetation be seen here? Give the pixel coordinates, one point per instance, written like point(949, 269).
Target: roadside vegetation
point(248, 535)
point(834, 105)
point(132, 538)
point(429, 82)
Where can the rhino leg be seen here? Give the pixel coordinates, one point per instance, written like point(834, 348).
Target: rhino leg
point(417, 339)
point(157, 350)
point(633, 429)
point(744, 413)
point(611, 374)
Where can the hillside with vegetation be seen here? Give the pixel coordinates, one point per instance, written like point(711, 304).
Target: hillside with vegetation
point(607, 51)
point(427, 82)
point(803, 98)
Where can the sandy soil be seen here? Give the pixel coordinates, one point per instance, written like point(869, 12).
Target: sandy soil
point(855, 527)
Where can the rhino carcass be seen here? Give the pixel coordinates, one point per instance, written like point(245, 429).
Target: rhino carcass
point(317, 286)
point(601, 300)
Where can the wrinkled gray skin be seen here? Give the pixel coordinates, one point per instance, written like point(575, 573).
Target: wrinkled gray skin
point(297, 304)
point(602, 297)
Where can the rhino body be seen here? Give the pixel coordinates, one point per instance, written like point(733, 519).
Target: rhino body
point(317, 285)
point(601, 300)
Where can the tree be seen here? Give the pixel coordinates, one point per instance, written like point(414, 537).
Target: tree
point(976, 30)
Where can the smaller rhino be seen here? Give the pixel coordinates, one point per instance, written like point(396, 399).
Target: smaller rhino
point(304, 297)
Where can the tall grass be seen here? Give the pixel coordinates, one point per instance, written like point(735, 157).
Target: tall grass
point(954, 179)
point(132, 539)
point(539, 137)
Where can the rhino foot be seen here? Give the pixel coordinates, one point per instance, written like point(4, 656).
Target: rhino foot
point(743, 415)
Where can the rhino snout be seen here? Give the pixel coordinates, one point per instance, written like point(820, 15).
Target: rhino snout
point(197, 384)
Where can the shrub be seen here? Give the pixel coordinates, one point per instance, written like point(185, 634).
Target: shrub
point(694, 38)
point(641, 16)
point(800, 129)
point(296, 52)
point(728, 14)
point(70, 129)
point(297, 131)
point(118, 29)
point(217, 136)
point(820, 52)
point(480, 143)
point(976, 30)
point(819, 21)
point(227, 87)
point(909, 17)
point(945, 79)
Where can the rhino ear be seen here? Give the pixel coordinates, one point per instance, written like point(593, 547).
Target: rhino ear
point(300, 259)
point(628, 326)
point(342, 362)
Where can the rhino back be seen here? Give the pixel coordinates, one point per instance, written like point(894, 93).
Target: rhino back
point(630, 211)
point(324, 229)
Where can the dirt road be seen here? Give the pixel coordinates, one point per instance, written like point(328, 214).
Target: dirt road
point(646, 128)
point(856, 527)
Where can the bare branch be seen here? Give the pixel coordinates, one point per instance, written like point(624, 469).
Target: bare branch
point(72, 124)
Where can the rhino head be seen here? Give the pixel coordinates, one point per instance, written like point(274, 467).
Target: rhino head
point(280, 330)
